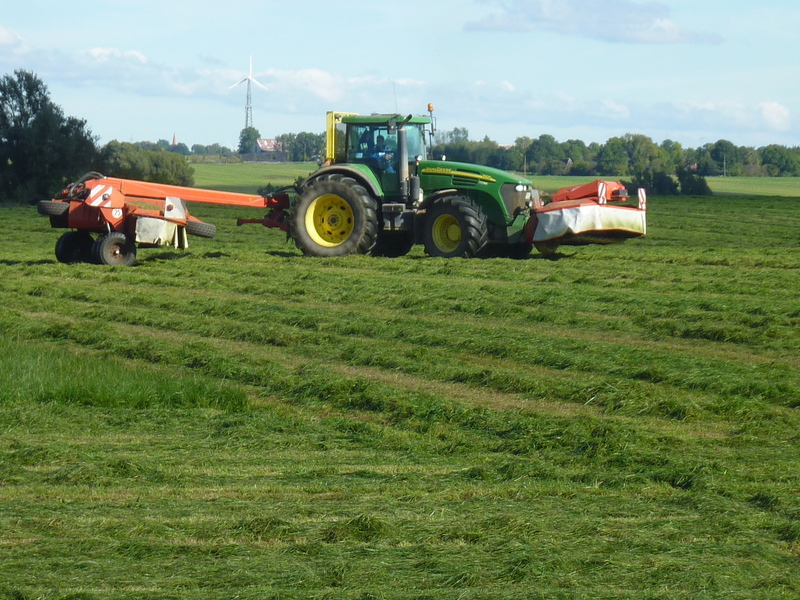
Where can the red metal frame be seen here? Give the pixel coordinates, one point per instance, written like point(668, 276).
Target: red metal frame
point(109, 202)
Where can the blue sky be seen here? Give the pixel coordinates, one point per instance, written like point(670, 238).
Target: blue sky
point(691, 71)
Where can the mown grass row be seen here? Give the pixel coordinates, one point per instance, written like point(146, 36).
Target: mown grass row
point(237, 420)
point(225, 500)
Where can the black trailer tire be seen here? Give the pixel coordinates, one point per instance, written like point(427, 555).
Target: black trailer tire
point(52, 209)
point(334, 216)
point(74, 246)
point(394, 244)
point(114, 249)
point(455, 226)
point(204, 230)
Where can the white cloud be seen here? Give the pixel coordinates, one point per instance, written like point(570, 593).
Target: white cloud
point(10, 39)
point(614, 110)
point(776, 116)
point(621, 21)
point(105, 55)
point(324, 85)
point(724, 114)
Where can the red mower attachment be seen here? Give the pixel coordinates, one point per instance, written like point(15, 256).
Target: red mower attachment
point(110, 217)
point(593, 213)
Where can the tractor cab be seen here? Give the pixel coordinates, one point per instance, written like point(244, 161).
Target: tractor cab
point(387, 144)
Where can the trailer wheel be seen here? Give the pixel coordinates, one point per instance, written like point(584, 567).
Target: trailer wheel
point(455, 226)
point(394, 244)
point(114, 249)
point(52, 209)
point(334, 216)
point(548, 247)
point(74, 246)
point(204, 230)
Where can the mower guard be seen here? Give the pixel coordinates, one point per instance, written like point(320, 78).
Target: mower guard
point(583, 215)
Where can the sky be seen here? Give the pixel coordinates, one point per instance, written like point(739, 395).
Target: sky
point(692, 71)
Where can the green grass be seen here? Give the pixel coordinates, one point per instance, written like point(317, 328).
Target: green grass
point(236, 420)
point(755, 186)
point(248, 178)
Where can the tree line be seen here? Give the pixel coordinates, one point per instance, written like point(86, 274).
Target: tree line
point(42, 150)
point(620, 156)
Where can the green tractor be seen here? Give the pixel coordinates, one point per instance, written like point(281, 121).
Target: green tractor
point(379, 192)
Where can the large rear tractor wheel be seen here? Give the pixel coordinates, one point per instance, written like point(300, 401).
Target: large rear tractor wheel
point(114, 249)
point(74, 246)
point(455, 226)
point(334, 216)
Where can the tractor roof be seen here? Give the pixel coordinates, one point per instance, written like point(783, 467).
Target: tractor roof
point(384, 119)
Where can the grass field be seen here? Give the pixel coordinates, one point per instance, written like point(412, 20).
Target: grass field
point(238, 421)
point(249, 177)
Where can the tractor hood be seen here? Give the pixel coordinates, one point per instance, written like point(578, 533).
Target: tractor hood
point(459, 175)
point(501, 195)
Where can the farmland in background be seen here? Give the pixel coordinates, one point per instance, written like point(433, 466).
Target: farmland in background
point(236, 420)
point(249, 177)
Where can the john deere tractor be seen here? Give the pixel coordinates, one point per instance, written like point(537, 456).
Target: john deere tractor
point(380, 193)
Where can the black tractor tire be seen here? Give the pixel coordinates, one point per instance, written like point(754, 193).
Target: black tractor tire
point(392, 244)
point(114, 249)
point(52, 209)
point(74, 246)
point(334, 215)
point(204, 230)
point(455, 226)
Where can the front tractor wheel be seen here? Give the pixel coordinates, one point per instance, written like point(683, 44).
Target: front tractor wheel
point(334, 216)
point(114, 249)
point(455, 226)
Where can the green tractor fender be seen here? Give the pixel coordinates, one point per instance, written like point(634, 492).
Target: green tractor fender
point(361, 173)
point(489, 205)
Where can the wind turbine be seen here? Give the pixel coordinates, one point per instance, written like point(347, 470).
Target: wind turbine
point(248, 109)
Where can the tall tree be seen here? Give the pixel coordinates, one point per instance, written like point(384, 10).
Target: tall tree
point(780, 160)
point(247, 140)
point(612, 159)
point(643, 153)
point(308, 145)
point(546, 155)
point(41, 150)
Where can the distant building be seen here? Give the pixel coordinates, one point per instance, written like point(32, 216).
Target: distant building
point(269, 150)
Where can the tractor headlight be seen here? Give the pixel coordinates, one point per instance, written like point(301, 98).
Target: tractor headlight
point(515, 196)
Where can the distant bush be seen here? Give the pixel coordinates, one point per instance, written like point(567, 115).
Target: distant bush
point(692, 184)
point(657, 183)
point(132, 161)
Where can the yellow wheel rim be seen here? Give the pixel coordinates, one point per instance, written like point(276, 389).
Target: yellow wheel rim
point(330, 220)
point(446, 233)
